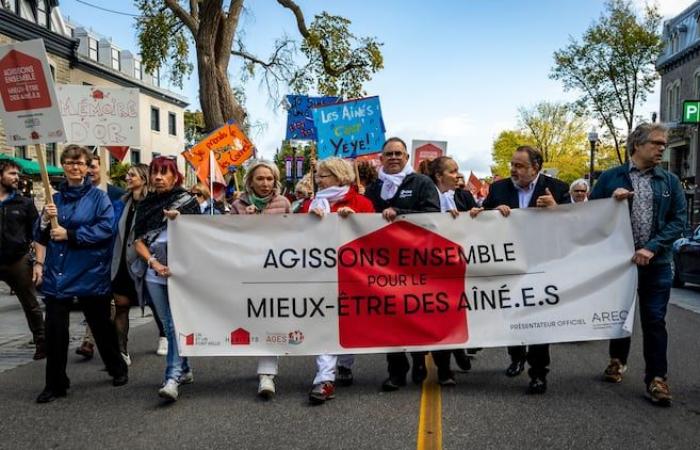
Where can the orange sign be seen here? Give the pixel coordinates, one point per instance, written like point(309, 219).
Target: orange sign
point(230, 146)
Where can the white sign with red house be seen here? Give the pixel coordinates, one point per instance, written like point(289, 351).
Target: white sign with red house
point(28, 105)
point(253, 285)
point(422, 150)
point(96, 115)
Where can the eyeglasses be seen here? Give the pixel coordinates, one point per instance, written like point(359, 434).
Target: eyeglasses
point(658, 143)
point(396, 154)
point(74, 163)
point(580, 191)
point(197, 194)
point(170, 157)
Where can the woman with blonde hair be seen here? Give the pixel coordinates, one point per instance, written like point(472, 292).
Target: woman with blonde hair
point(200, 191)
point(262, 196)
point(336, 194)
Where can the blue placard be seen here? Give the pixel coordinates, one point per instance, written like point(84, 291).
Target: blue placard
point(349, 129)
point(300, 123)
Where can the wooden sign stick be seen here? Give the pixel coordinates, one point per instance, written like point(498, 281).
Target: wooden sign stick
point(45, 180)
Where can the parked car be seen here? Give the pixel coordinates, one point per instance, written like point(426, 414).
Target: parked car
point(686, 260)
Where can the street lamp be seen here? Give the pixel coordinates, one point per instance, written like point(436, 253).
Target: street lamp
point(593, 139)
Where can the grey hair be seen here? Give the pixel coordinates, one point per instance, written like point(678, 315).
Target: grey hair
point(640, 135)
point(576, 183)
point(255, 165)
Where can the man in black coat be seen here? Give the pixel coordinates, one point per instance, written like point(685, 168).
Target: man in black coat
point(527, 188)
point(17, 217)
point(399, 190)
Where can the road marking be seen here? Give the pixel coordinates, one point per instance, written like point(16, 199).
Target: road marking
point(430, 420)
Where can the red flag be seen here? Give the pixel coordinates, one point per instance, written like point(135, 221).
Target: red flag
point(119, 152)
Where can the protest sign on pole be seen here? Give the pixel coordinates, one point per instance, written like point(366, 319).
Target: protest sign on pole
point(349, 129)
point(230, 147)
point(101, 116)
point(296, 285)
point(29, 107)
point(426, 150)
point(300, 121)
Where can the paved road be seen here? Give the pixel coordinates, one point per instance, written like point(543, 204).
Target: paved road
point(485, 410)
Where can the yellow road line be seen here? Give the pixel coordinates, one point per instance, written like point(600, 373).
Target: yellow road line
point(430, 420)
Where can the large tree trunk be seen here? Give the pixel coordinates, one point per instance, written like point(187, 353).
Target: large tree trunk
point(214, 39)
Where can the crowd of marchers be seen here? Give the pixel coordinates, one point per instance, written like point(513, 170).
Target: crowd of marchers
point(107, 250)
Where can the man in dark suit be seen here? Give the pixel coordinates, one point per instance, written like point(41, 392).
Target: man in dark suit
point(527, 188)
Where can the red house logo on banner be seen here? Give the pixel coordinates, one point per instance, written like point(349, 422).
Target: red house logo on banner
point(427, 151)
point(188, 338)
point(239, 336)
point(405, 297)
point(22, 83)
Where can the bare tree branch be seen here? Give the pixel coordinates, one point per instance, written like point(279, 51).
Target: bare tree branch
point(191, 22)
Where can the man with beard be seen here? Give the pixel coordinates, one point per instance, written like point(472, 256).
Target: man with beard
point(17, 217)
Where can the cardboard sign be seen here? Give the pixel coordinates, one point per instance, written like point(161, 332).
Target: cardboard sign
point(230, 146)
point(300, 122)
point(349, 129)
point(28, 107)
point(102, 116)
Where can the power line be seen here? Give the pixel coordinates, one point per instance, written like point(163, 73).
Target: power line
point(108, 10)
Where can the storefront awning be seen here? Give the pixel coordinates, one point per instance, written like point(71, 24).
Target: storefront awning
point(29, 167)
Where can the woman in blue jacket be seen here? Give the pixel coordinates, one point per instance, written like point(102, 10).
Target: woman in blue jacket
point(77, 265)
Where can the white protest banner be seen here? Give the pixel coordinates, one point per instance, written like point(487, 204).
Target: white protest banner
point(28, 106)
point(298, 285)
point(103, 116)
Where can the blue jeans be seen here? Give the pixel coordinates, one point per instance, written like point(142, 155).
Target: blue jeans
point(654, 291)
point(175, 364)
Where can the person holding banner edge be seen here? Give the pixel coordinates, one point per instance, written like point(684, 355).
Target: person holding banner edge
point(77, 264)
point(399, 190)
point(262, 196)
point(658, 213)
point(166, 202)
point(336, 194)
point(527, 187)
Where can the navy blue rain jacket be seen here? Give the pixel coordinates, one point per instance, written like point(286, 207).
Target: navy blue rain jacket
point(79, 266)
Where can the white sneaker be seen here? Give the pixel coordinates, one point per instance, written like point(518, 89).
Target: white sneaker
point(187, 378)
point(162, 346)
point(266, 388)
point(169, 390)
point(126, 358)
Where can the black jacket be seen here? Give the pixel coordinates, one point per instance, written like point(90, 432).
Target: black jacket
point(502, 192)
point(464, 200)
point(416, 194)
point(17, 217)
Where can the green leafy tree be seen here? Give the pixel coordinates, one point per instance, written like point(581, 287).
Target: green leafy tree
point(117, 173)
point(612, 66)
point(503, 148)
point(337, 62)
point(194, 126)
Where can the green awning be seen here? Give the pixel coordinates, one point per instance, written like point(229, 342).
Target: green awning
point(29, 167)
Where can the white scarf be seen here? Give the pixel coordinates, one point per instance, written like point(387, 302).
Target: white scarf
point(391, 182)
point(325, 197)
point(447, 201)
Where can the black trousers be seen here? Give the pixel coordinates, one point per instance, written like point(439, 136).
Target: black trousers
point(18, 275)
point(96, 310)
point(398, 362)
point(537, 356)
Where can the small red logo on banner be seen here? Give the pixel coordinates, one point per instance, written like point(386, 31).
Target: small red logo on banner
point(401, 286)
point(239, 336)
point(189, 339)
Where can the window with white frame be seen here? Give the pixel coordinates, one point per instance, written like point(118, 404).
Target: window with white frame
point(135, 156)
point(93, 49)
point(172, 124)
point(115, 59)
point(42, 13)
point(137, 70)
point(155, 118)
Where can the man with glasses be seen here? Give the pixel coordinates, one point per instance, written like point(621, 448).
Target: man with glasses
point(399, 190)
point(658, 213)
point(527, 188)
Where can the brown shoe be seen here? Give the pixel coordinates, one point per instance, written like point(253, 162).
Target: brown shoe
point(613, 373)
point(86, 349)
point(659, 393)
